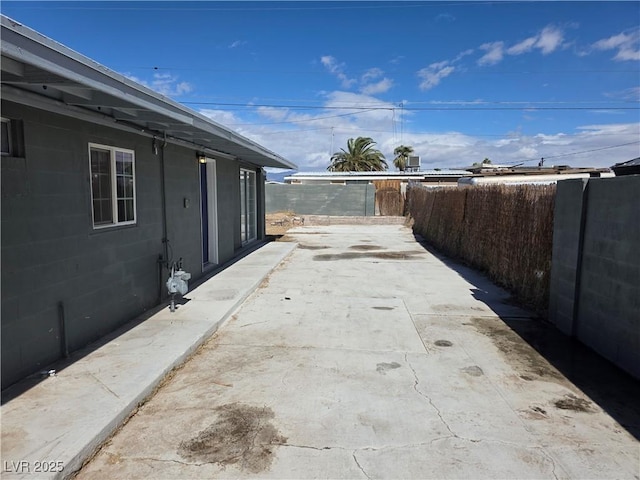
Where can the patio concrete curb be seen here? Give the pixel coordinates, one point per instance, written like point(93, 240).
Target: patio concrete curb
point(51, 429)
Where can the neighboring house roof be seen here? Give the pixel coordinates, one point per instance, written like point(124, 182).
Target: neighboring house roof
point(34, 66)
point(630, 167)
point(376, 175)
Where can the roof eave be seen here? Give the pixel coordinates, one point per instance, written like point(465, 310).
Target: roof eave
point(82, 82)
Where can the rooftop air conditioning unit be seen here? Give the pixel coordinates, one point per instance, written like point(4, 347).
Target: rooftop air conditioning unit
point(413, 162)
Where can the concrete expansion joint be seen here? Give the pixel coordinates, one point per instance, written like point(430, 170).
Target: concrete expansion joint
point(103, 385)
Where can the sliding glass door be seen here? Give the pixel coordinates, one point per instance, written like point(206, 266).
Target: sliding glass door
point(248, 206)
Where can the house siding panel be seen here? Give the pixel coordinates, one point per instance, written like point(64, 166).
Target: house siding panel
point(52, 254)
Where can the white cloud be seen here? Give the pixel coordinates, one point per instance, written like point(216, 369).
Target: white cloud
point(463, 54)
point(495, 52)
point(382, 86)
point(273, 113)
point(221, 116)
point(237, 43)
point(626, 44)
point(433, 74)
point(372, 74)
point(523, 47)
point(367, 82)
point(326, 131)
point(164, 83)
point(337, 69)
point(549, 39)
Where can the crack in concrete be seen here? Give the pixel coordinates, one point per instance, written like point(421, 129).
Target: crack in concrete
point(426, 397)
point(168, 460)
point(309, 447)
point(358, 464)
point(254, 323)
point(550, 458)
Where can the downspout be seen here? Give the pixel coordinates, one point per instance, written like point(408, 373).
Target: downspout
point(64, 341)
point(163, 260)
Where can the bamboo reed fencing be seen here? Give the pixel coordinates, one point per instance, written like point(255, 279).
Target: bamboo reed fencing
point(504, 231)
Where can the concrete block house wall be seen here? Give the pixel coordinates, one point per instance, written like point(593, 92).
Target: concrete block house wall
point(57, 265)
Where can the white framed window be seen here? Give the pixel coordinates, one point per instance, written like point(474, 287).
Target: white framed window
point(7, 149)
point(113, 192)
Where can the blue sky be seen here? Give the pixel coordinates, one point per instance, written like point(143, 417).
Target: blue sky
point(458, 81)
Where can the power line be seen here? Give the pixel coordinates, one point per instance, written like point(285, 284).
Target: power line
point(529, 107)
point(300, 121)
point(592, 150)
point(570, 154)
point(394, 71)
point(242, 8)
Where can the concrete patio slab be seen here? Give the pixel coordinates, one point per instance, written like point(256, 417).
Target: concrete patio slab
point(343, 365)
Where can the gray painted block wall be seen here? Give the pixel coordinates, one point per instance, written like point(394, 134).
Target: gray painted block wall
point(52, 254)
point(606, 315)
point(566, 245)
point(351, 200)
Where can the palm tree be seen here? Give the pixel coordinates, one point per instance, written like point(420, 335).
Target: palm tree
point(402, 157)
point(360, 156)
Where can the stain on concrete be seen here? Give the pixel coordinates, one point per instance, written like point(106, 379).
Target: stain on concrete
point(402, 255)
point(534, 413)
point(304, 246)
point(383, 308)
point(366, 247)
point(443, 343)
point(228, 294)
point(576, 404)
point(241, 435)
point(517, 353)
point(383, 367)
point(473, 370)
point(539, 410)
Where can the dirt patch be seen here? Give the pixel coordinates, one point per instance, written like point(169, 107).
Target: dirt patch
point(576, 404)
point(366, 247)
point(242, 435)
point(519, 354)
point(406, 255)
point(279, 222)
point(443, 343)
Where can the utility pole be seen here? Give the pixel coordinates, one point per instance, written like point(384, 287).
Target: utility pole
point(331, 151)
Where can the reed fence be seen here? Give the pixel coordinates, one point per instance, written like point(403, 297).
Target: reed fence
point(504, 231)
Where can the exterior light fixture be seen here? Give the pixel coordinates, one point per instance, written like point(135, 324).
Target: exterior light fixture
point(202, 159)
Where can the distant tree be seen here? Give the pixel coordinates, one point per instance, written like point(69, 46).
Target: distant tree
point(486, 161)
point(402, 153)
point(360, 156)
